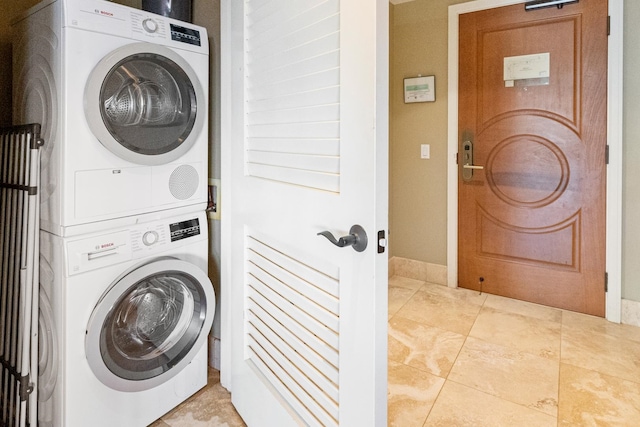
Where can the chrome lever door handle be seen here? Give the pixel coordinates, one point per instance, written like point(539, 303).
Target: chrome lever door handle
point(357, 238)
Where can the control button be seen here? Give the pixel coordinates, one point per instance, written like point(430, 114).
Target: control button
point(149, 238)
point(150, 25)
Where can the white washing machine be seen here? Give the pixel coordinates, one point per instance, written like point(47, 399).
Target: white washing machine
point(122, 96)
point(124, 321)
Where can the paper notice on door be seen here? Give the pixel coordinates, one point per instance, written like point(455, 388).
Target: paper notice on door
point(527, 70)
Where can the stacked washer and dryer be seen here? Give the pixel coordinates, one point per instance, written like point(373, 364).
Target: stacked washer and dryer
point(126, 304)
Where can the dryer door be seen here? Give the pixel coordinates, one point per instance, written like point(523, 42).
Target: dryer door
point(145, 104)
point(150, 324)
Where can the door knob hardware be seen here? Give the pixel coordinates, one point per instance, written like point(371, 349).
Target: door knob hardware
point(472, 167)
point(357, 238)
point(467, 157)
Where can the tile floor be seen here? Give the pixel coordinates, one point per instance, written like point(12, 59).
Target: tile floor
point(210, 407)
point(460, 358)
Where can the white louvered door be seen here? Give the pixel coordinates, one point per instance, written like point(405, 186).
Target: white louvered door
point(304, 131)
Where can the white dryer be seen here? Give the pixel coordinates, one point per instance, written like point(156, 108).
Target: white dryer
point(122, 96)
point(124, 322)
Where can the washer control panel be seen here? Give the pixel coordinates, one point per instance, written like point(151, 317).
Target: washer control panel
point(150, 237)
point(154, 237)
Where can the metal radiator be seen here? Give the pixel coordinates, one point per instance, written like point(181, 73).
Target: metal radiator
point(19, 254)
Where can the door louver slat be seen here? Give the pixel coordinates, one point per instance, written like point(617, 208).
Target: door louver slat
point(296, 49)
point(292, 330)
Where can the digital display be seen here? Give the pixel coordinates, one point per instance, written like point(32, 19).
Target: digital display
point(182, 230)
point(185, 35)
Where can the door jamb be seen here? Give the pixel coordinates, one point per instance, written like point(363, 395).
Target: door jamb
point(614, 137)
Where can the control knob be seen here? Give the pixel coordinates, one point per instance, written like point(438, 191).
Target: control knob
point(150, 238)
point(149, 25)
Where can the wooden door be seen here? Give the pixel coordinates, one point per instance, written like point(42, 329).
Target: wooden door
point(532, 221)
point(305, 151)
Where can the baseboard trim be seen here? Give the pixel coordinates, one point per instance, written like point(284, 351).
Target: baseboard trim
point(419, 270)
point(630, 312)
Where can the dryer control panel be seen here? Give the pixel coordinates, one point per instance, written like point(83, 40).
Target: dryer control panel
point(114, 19)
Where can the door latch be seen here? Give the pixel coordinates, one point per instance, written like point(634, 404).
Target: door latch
point(382, 241)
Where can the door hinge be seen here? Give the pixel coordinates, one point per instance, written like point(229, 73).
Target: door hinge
point(606, 282)
point(608, 25)
point(606, 154)
point(382, 241)
point(456, 158)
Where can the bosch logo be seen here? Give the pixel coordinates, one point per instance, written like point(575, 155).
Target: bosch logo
point(106, 245)
point(103, 12)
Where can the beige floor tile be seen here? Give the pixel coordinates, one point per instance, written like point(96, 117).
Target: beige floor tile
point(210, 407)
point(519, 377)
point(535, 336)
point(411, 394)
point(596, 351)
point(441, 310)
point(424, 347)
point(397, 298)
point(598, 324)
point(524, 308)
point(462, 406)
point(405, 282)
point(588, 398)
point(460, 294)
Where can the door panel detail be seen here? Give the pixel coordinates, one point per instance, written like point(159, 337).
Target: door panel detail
point(293, 95)
point(564, 77)
point(527, 171)
point(556, 246)
point(292, 317)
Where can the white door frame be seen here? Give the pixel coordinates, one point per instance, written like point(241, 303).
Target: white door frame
point(614, 137)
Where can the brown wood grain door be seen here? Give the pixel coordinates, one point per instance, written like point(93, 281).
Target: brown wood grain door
point(532, 221)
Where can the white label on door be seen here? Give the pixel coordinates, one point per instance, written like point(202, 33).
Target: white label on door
point(526, 67)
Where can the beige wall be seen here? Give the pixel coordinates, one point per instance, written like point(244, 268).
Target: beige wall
point(418, 187)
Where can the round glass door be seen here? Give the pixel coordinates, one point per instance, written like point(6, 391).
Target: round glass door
point(150, 324)
point(145, 104)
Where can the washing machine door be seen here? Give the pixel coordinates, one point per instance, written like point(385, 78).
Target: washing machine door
point(150, 324)
point(145, 104)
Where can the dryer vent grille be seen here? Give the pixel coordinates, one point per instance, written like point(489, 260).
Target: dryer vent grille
point(183, 182)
